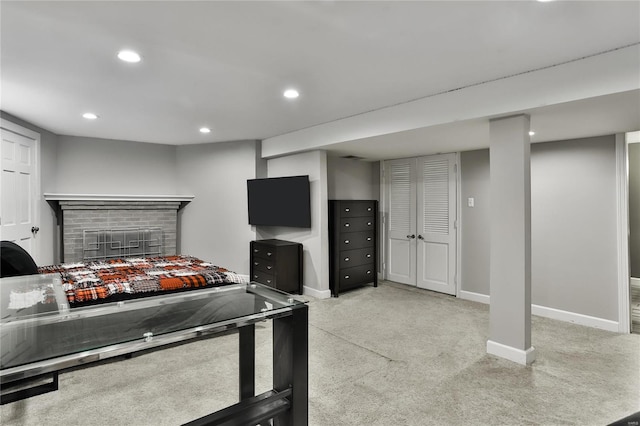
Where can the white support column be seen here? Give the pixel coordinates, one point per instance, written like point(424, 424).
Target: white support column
point(510, 265)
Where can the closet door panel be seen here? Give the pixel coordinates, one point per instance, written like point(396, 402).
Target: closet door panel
point(436, 240)
point(435, 259)
point(401, 220)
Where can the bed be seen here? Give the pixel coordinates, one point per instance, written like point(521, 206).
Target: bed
point(126, 278)
point(125, 263)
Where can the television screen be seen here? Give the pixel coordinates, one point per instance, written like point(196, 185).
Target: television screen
point(283, 201)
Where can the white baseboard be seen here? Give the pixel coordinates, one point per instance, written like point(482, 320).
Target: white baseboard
point(556, 314)
point(474, 297)
point(574, 318)
point(318, 294)
point(512, 354)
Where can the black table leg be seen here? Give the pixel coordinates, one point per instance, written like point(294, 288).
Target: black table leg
point(291, 364)
point(247, 361)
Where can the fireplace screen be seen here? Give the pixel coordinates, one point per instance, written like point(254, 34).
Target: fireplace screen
point(102, 244)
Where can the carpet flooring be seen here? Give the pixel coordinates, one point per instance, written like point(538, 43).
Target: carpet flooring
point(392, 355)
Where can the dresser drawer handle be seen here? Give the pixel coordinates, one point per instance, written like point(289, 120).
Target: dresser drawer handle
point(347, 209)
point(368, 256)
point(269, 267)
point(346, 277)
point(369, 209)
point(346, 241)
point(269, 253)
point(368, 272)
point(346, 259)
point(256, 263)
point(256, 251)
point(368, 238)
point(346, 225)
point(268, 281)
point(368, 223)
point(255, 277)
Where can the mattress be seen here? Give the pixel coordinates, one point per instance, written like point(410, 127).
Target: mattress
point(120, 279)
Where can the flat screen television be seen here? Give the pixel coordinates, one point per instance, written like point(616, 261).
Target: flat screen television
point(282, 201)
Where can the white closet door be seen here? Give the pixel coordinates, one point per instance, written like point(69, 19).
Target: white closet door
point(18, 180)
point(401, 221)
point(436, 239)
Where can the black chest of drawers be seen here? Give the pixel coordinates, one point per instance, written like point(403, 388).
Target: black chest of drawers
point(278, 264)
point(353, 257)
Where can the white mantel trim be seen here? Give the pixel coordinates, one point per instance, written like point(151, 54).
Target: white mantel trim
point(115, 197)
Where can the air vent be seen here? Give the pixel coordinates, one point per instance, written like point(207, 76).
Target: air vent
point(352, 157)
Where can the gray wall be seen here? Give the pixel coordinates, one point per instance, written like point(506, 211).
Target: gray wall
point(105, 166)
point(474, 167)
point(573, 225)
point(315, 239)
point(634, 208)
point(215, 225)
point(349, 179)
point(48, 235)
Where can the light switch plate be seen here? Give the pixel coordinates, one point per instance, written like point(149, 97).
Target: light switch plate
point(471, 201)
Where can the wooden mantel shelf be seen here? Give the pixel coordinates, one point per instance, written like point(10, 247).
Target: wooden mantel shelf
point(48, 196)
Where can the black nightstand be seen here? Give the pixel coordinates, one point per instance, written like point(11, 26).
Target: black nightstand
point(278, 264)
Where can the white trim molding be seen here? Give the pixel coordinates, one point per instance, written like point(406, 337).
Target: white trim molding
point(115, 197)
point(459, 224)
point(572, 317)
point(318, 294)
point(524, 357)
point(622, 204)
point(552, 313)
point(474, 297)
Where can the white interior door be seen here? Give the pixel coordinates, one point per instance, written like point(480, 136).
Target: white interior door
point(436, 239)
point(401, 221)
point(421, 213)
point(19, 184)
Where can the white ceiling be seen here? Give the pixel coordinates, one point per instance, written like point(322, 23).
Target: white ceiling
point(225, 64)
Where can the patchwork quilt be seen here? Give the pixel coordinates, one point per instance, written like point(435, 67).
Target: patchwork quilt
point(100, 280)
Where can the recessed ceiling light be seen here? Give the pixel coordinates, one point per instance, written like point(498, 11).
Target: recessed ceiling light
point(291, 93)
point(205, 130)
point(531, 133)
point(545, 1)
point(129, 56)
point(89, 116)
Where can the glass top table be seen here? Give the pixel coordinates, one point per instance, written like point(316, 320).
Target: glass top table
point(38, 327)
point(40, 333)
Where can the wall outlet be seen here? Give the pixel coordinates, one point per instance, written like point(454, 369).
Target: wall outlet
point(470, 201)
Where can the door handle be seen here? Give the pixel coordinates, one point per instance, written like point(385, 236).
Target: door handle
point(420, 237)
point(411, 237)
point(34, 230)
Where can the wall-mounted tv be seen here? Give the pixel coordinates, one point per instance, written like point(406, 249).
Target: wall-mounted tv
point(282, 201)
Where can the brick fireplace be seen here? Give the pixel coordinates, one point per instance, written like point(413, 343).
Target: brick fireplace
point(79, 213)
